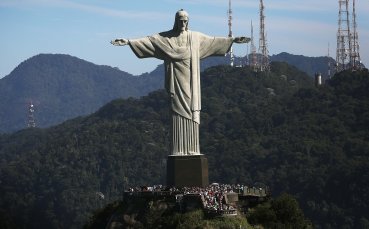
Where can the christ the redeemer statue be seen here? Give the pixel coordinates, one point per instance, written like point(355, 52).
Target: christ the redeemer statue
point(182, 50)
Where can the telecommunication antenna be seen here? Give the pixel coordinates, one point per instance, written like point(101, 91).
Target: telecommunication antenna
point(355, 55)
point(329, 63)
point(263, 49)
point(253, 60)
point(343, 53)
point(247, 59)
point(31, 117)
point(230, 33)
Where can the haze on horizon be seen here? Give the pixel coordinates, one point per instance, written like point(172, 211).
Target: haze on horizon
point(84, 28)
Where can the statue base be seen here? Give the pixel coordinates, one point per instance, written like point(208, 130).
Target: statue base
point(187, 171)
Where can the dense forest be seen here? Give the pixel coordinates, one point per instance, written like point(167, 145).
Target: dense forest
point(275, 128)
point(62, 87)
point(281, 212)
point(310, 65)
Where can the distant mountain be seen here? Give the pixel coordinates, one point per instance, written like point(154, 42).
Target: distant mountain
point(63, 87)
point(310, 65)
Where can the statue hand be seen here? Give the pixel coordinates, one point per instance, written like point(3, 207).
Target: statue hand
point(119, 42)
point(241, 40)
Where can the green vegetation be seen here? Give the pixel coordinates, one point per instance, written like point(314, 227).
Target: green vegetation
point(168, 218)
point(283, 212)
point(63, 87)
point(310, 65)
point(274, 128)
point(196, 219)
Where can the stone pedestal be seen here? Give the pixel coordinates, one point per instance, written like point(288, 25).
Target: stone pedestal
point(187, 171)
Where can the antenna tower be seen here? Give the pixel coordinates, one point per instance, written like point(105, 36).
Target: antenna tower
point(343, 53)
point(329, 64)
point(263, 49)
point(31, 116)
point(355, 55)
point(247, 61)
point(253, 62)
point(230, 34)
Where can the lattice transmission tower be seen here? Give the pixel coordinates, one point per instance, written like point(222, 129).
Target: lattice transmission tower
point(263, 49)
point(31, 117)
point(344, 51)
point(230, 33)
point(355, 54)
point(329, 63)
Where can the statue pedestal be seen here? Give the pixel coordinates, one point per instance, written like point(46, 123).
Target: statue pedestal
point(187, 171)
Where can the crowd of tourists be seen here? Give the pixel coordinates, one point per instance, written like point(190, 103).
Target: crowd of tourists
point(213, 188)
point(212, 196)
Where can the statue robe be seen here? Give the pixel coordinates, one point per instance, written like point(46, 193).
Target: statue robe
point(182, 80)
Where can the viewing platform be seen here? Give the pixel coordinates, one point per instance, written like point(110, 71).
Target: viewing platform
point(216, 200)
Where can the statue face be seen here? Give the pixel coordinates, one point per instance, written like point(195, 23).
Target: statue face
point(181, 21)
point(182, 24)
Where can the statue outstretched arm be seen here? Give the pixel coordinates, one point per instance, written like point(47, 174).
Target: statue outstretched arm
point(119, 42)
point(241, 40)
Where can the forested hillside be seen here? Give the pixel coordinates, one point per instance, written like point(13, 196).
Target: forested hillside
point(62, 87)
point(310, 65)
point(274, 128)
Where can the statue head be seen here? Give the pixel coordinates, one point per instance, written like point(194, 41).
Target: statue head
point(181, 21)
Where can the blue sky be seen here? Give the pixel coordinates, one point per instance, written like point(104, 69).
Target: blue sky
point(83, 28)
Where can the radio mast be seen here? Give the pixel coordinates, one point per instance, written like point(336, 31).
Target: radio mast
point(343, 53)
point(230, 33)
point(355, 55)
point(329, 63)
point(31, 117)
point(253, 62)
point(263, 49)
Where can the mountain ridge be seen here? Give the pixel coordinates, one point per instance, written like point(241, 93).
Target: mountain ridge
point(62, 87)
point(277, 129)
